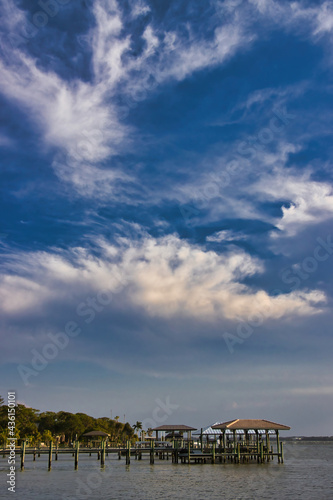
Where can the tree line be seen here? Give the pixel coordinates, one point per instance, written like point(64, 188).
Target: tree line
point(37, 427)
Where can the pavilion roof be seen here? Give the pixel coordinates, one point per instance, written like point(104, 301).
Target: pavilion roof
point(174, 428)
point(251, 424)
point(208, 430)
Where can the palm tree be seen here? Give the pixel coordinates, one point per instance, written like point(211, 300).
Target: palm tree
point(137, 426)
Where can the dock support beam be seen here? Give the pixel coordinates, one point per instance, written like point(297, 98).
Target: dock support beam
point(128, 452)
point(103, 453)
point(152, 453)
point(278, 445)
point(50, 455)
point(281, 453)
point(24, 443)
point(76, 459)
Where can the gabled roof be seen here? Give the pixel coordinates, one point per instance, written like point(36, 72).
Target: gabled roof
point(207, 431)
point(251, 424)
point(174, 428)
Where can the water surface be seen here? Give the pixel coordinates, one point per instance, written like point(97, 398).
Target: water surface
point(306, 474)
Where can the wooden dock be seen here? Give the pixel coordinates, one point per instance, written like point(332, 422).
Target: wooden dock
point(176, 451)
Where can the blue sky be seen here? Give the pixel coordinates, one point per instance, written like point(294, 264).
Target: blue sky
point(166, 196)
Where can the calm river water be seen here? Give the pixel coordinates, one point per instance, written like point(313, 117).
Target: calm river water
point(306, 474)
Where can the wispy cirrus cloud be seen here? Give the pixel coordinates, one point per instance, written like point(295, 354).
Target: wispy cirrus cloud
point(81, 119)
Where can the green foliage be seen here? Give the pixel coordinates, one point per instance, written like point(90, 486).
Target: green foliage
point(39, 426)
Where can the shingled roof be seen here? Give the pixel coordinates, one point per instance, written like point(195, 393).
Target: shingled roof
point(251, 424)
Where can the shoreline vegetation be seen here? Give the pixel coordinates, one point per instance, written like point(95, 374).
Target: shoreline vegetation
point(65, 427)
point(62, 427)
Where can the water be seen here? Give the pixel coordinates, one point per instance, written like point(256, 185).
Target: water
point(306, 474)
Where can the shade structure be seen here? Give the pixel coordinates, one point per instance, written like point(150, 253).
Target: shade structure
point(177, 427)
point(208, 431)
point(250, 424)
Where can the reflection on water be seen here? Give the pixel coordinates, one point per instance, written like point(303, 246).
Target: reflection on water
point(306, 474)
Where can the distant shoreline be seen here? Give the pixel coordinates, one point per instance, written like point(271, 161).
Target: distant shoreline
point(308, 438)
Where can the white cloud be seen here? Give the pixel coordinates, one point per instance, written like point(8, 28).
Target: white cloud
point(78, 117)
point(311, 202)
point(225, 235)
point(290, 14)
point(167, 277)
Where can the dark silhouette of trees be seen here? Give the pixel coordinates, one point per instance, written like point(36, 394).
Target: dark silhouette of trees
point(35, 426)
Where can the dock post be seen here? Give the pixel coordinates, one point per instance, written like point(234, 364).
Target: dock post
point(50, 455)
point(278, 445)
point(128, 452)
point(189, 451)
point(261, 451)
point(201, 440)
point(23, 453)
point(152, 453)
point(281, 445)
point(103, 453)
point(176, 452)
point(267, 446)
point(213, 454)
point(34, 459)
point(76, 460)
point(238, 453)
point(38, 450)
point(56, 452)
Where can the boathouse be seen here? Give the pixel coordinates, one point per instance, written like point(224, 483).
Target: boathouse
point(175, 430)
point(250, 435)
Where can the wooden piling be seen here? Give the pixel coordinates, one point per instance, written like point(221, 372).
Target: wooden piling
point(278, 445)
point(213, 454)
point(23, 446)
point(77, 451)
point(50, 456)
point(267, 446)
point(103, 454)
point(128, 452)
point(34, 457)
point(152, 453)
point(281, 447)
point(56, 452)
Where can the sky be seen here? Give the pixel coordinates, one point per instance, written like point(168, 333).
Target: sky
point(166, 209)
